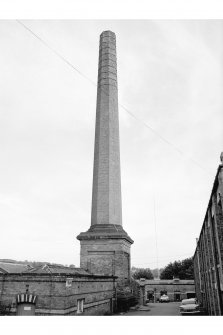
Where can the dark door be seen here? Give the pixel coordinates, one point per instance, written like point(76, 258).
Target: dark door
point(177, 297)
point(25, 309)
point(150, 296)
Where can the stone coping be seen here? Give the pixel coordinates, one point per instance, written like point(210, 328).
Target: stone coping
point(56, 275)
point(105, 231)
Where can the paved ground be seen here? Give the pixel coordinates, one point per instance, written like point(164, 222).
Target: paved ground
point(170, 308)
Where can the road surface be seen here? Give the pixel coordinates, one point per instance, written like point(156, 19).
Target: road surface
point(160, 309)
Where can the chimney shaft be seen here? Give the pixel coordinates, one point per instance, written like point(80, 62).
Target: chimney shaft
point(105, 245)
point(106, 194)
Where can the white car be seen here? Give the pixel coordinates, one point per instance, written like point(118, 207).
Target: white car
point(189, 306)
point(164, 298)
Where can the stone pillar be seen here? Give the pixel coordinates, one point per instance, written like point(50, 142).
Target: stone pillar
point(106, 245)
point(142, 295)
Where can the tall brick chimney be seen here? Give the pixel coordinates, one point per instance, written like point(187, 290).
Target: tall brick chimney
point(105, 247)
point(106, 198)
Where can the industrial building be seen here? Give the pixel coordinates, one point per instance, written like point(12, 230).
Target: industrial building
point(56, 290)
point(208, 257)
point(176, 289)
point(105, 247)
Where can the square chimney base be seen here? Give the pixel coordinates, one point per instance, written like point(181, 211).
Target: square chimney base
point(106, 253)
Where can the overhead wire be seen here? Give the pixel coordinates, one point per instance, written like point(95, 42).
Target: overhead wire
point(161, 137)
point(154, 131)
point(56, 52)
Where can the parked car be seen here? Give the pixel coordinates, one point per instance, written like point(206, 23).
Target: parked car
point(164, 298)
point(189, 306)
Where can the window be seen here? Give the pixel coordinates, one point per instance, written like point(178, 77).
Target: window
point(69, 282)
point(80, 306)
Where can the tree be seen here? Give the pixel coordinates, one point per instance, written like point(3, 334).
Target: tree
point(138, 273)
point(5, 308)
point(179, 269)
point(156, 272)
point(72, 266)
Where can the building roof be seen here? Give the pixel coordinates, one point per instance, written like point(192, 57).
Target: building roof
point(166, 282)
point(58, 269)
point(46, 269)
point(13, 267)
point(10, 267)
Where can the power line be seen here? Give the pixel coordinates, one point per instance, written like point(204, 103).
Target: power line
point(56, 53)
point(166, 140)
point(161, 137)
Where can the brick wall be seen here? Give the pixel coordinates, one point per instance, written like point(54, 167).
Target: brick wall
point(54, 298)
point(182, 287)
point(107, 257)
point(208, 257)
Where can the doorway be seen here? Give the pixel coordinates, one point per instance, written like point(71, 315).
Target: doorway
point(25, 309)
point(150, 296)
point(26, 304)
point(177, 296)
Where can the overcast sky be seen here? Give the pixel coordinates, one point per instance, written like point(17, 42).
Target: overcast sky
point(169, 77)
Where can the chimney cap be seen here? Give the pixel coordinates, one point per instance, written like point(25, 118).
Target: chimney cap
point(107, 33)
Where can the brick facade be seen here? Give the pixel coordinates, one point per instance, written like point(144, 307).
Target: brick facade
point(105, 247)
point(56, 297)
point(108, 257)
point(106, 193)
point(176, 289)
point(208, 257)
